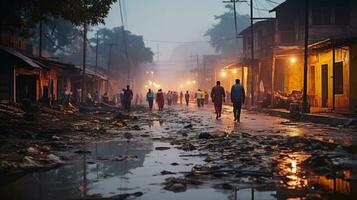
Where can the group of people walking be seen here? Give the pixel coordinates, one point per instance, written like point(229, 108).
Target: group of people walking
point(218, 96)
point(201, 97)
point(237, 96)
point(171, 98)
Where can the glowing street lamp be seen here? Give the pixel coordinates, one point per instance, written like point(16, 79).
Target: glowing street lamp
point(194, 82)
point(292, 60)
point(235, 71)
point(223, 74)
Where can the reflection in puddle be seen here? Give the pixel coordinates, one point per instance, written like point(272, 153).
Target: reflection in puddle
point(290, 167)
point(88, 175)
point(340, 187)
point(299, 183)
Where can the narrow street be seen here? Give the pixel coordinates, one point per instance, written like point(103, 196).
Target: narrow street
point(185, 153)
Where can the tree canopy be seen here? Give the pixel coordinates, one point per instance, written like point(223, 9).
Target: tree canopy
point(222, 34)
point(117, 61)
point(59, 36)
point(20, 16)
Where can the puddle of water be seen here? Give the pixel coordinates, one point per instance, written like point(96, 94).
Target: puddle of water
point(87, 176)
point(300, 182)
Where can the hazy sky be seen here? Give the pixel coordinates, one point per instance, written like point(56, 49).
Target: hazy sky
point(174, 20)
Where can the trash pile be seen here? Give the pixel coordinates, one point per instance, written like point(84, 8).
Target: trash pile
point(35, 144)
point(266, 158)
point(283, 100)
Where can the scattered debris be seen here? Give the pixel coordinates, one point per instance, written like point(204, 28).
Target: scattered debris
point(164, 172)
point(175, 184)
point(162, 148)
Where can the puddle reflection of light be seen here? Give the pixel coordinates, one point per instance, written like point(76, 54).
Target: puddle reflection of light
point(293, 131)
point(289, 167)
point(338, 185)
point(293, 166)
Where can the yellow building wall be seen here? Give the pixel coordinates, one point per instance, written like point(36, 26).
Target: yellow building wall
point(289, 75)
point(322, 58)
point(294, 76)
point(353, 76)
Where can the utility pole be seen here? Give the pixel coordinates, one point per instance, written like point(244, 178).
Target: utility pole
point(40, 40)
point(84, 57)
point(235, 14)
point(96, 54)
point(252, 52)
point(84, 47)
point(306, 51)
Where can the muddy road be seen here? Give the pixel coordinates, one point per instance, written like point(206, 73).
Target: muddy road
point(183, 153)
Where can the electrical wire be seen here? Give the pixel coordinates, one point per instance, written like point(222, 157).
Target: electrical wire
point(274, 2)
point(256, 8)
point(186, 42)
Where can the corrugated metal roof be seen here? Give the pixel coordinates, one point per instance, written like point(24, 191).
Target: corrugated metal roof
point(28, 61)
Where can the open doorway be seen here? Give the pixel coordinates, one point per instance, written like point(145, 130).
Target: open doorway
point(25, 87)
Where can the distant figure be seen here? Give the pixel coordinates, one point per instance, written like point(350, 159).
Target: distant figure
point(237, 98)
point(122, 98)
point(89, 98)
point(181, 97)
point(150, 99)
point(198, 97)
point(175, 98)
point(105, 98)
point(68, 95)
point(206, 97)
point(141, 99)
point(160, 100)
point(187, 97)
point(202, 100)
point(169, 98)
point(218, 97)
point(128, 96)
point(136, 99)
point(96, 97)
point(79, 96)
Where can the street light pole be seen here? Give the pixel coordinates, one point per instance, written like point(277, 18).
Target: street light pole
point(306, 51)
point(84, 59)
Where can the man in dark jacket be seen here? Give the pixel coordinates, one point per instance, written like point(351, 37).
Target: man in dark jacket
point(237, 98)
point(128, 96)
point(150, 99)
point(218, 96)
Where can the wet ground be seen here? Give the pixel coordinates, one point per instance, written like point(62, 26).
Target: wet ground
point(263, 157)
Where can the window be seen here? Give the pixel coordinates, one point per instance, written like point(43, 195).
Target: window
point(321, 16)
point(338, 86)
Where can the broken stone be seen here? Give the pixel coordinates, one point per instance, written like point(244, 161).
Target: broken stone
point(83, 152)
point(118, 158)
point(204, 135)
point(187, 147)
point(188, 126)
point(175, 184)
point(227, 186)
point(161, 148)
point(164, 172)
